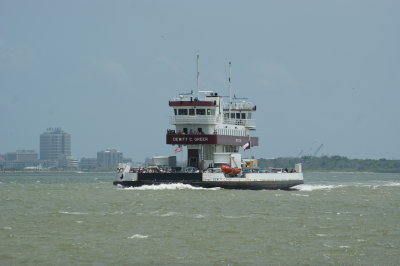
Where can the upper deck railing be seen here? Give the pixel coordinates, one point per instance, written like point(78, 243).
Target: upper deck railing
point(199, 119)
point(250, 123)
point(211, 120)
point(244, 105)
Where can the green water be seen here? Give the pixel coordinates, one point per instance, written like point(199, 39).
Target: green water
point(81, 218)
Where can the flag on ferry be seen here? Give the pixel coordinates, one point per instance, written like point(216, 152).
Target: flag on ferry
point(246, 146)
point(179, 149)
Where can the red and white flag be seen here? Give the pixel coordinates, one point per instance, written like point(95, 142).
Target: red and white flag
point(246, 146)
point(179, 149)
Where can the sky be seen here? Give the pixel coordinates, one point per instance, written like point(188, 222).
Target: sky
point(320, 72)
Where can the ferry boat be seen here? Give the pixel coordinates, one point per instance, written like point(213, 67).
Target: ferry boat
point(214, 132)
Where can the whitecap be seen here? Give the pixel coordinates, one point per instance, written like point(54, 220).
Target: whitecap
point(168, 214)
point(175, 186)
point(307, 187)
point(392, 184)
point(235, 217)
point(7, 227)
point(344, 246)
point(138, 236)
point(199, 216)
point(300, 195)
point(73, 213)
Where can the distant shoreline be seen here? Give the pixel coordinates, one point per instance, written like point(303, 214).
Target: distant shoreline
point(54, 171)
point(335, 163)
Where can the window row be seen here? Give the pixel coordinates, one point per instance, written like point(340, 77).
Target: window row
point(237, 115)
point(193, 112)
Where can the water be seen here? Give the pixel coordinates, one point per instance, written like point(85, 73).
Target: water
point(81, 218)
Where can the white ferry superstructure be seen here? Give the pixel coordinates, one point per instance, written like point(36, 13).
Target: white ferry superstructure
point(214, 133)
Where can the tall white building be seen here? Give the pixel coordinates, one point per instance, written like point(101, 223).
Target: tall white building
point(54, 144)
point(109, 158)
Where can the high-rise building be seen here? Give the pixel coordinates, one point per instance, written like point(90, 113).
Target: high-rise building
point(55, 144)
point(109, 158)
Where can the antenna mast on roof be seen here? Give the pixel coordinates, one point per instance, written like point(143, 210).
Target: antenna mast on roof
point(230, 87)
point(198, 77)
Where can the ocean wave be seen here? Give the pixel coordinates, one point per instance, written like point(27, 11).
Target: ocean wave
point(177, 186)
point(373, 185)
point(391, 184)
point(308, 187)
point(73, 213)
point(138, 236)
point(169, 214)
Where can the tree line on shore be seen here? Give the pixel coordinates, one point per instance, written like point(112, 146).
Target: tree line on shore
point(333, 163)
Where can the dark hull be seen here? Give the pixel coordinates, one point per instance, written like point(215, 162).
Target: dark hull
point(195, 179)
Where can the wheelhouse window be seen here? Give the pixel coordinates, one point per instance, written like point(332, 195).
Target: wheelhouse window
point(191, 112)
point(210, 111)
point(182, 111)
point(233, 115)
point(200, 111)
point(175, 112)
point(243, 116)
point(237, 115)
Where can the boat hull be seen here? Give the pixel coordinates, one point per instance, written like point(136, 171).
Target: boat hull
point(283, 181)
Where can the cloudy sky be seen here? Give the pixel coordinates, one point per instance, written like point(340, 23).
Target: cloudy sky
point(320, 72)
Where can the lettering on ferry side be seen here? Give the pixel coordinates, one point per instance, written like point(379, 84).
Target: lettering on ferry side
point(190, 139)
point(238, 140)
point(201, 139)
point(179, 139)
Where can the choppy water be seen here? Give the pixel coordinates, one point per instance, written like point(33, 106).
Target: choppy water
point(81, 218)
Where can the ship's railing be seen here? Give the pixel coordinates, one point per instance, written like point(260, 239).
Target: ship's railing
point(173, 120)
point(239, 106)
point(250, 123)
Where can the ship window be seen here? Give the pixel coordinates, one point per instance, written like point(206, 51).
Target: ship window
point(249, 116)
point(243, 115)
point(237, 115)
point(226, 115)
point(233, 115)
point(175, 112)
point(200, 111)
point(182, 111)
point(210, 111)
point(191, 111)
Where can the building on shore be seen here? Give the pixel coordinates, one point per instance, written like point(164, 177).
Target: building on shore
point(55, 145)
point(68, 162)
point(88, 163)
point(109, 158)
point(20, 159)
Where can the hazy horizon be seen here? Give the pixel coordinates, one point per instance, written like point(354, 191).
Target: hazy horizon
point(320, 72)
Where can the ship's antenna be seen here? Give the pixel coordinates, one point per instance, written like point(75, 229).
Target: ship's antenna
point(229, 80)
point(198, 76)
point(230, 90)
